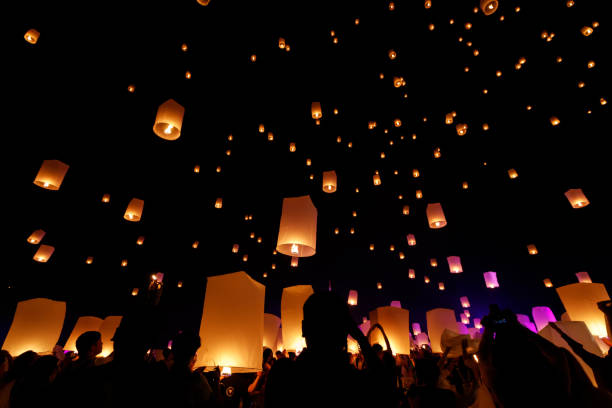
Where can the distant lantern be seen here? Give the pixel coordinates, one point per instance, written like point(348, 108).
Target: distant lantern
point(51, 174)
point(245, 257)
point(106, 198)
point(391, 247)
point(406, 210)
point(184, 47)
point(465, 185)
point(253, 57)
point(219, 202)
point(397, 123)
point(140, 240)
point(583, 277)
point(378, 285)
point(196, 168)
point(354, 213)
point(591, 64)
point(416, 329)
point(398, 82)
point(512, 174)
point(411, 273)
point(466, 312)
point(464, 319)
point(433, 262)
point(554, 120)
point(235, 248)
point(352, 231)
point(352, 298)
point(376, 179)
point(89, 260)
point(281, 43)
point(188, 75)
point(195, 244)
point(336, 231)
point(31, 36)
point(273, 266)
point(261, 128)
point(491, 280)
point(292, 147)
point(477, 324)
point(43, 253)
point(297, 235)
point(461, 128)
point(294, 261)
point(454, 264)
point(488, 7)
point(576, 198)
point(316, 110)
point(548, 283)
point(419, 194)
point(532, 249)
point(131, 88)
point(437, 153)
point(401, 255)
point(392, 54)
point(329, 181)
point(371, 124)
point(135, 292)
point(441, 285)
point(449, 119)
point(435, 216)
point(426, 279)
point(371, 247)
point(586, 31)
point(36, 236)
point(270, 136)
point(308, 162)
point(252, 235)
point(415, 173)
point(134, 210)
point(580, 301)
point(124, 263)
point(411, 239)
point(169, 120)
point(465, 303)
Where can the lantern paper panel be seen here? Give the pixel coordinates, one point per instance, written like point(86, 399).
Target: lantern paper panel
point(169, 120)
point(352, 298)
point(416, 329)
point(396, 323)
point(542, 315)
point(270, 335)
point(454, 264)
point(525, 321)
point(330, 181)
point(36, 236)
point(352, 346)
point(576, 198)
point(51, 174)
point(134, 209)
point(435, 216)
point(83, 324)
point(583, 277)
point(411, 239)
point(36, 326)
point(491, 280)
point(438, 320)
point(365, 326)
point(297, 234)
point(107, 330)
point(396, 303)
point(580, 302)
point(421, 339)
point(232, 327)
point(43, 253)
point(292, 314)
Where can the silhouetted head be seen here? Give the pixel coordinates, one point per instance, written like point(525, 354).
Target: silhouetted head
point(427, 372)
point(134, 336)
point(377, 348)
point(6, 362)
point(22, 364)
point(279, 355)
point(184, 348)
point(325, 321)
point(267, 355)
point(89, 344)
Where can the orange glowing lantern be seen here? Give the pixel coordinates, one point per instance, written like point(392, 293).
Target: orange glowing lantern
point(376, 179)
point(426, 279)
point(392, 54)
point(586, 31)
point(140, 240)
point(294, 261)
point(397, 123)
point(464, 301)
point(411, 239)
point(329, 181)
point(124, 263)
point(554, 120)
point(134, 210)
point(51, 174)
point(352, 298)
point(135, 292)
point(435, 216)
point(36, 236)
point(576, 198)
point(461, 129)
point(371, 124)
point(548, 283)
point(433, 262)
point(583, 277)
point(378, 285)
point(419, 194)
point(292, 147)
point(106, 198)
point(512, 174)
point(580, 302)
point(491, 280)
point(406, 210)
point(415, 173)
point(43, 253)
point(449, 119)
point(31, 36)
point(89, 260)
point(411, 273)
point(532, 249)
point(235, 248)
point(219, 203)
point(371, 247)
point(316, 110)
point(195, 244)
point(169, 120)
point(297, 235)
point(454, 264)
point(441, 285)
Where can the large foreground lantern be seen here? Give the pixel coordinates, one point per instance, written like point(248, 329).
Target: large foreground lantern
point(491, 280)
point(576, 198)
point(297, 234)
point(292, 314)
point(36, 236)
point(437, 321)
point(542, 315)
point(271, 326)
point(395, 321)
point(435, 215)
point(43, 253)
point(315, 110)
point(36, 326)
point(352, 298)
point(51, 174)
point(133, 211)
point(330, 181)
point(169, 120)
point(232, 327)
point(580, 302)
point(454, 264)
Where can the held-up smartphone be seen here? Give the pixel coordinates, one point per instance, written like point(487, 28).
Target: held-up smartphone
point(500, 321)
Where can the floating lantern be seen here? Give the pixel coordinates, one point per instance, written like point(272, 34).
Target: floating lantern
point(427, 5)
point(401, 255)
point(354, 213)
point(336, 231)
point(36, 236)
point(435, 216)
point(219, 203)
point(542, 315)
point(449, 118)
point(31, 36)
point(253, 57)
point(308, 162)
point(464, 301)
point(416, 329)
point(580, 302)
point(43, 253)
point(397, 123)
point(406, 210)
point(371, 124)
point(196, 168)
point(398, 82)
point(391, 248)
point(426, 279)
point(411, 239)
point(392, 54)
point(437, 153)
point(548, 283)
point(51, 174)
point(512, 174)
point(586, 31)
point(371, 247)
point(554, 120)
point(488, 7)
point(376, 179)
point(292, 314)
point(437, 321)
point(491, 280)
point(270, 136)
point(329, 181)
point(135, 292)
point(532, 249)
point(315, 109)
point(441, 285)
point(411, 274)
point(124, 263)
point(378, 285)
point(245, 258)
point(352, 231)
point(352, 298)
point(477, 324)
point(131, 88)
point(281, 43)
point(433, 262)
point(583, 277)
point(576, 198)
point(466, 312)
point(454, 264)
point(273, 266)
point(415, 173)
point(140, 240)
point(179, 284)
point(195, 244)
point(461, 129)
point(419, 194)
point(89, 260)
point(169, 120)
point(464, 318)
point(292, 147)
point(297, 235)
point(134, 210)
point(396, 323)
point(294, 261)
point(106, 198)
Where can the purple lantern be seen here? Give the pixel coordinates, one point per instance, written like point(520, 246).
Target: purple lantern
point(542, 315)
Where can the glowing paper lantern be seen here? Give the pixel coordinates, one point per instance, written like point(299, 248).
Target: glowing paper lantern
point(437, 321)
point(106, 198)
point(169, 120)
point(270, 334)
point(580, 302)
point(316, 110)
point(411, 274)
point(421, 339)
point(477, 324)
point(433, 262)
point(583, 277)
point(89, 260)
point(464, 301)
point(292, 314)
point(512, 174)
point(441, 285)
point(488, 7)
point(396, 303)
point(330, 181)
point(395, 321)
point(491, 280)
point(532, 249)
point(36, 326)
point(31, 36)
point(140, 240)
point(43, 253)
point(376, 179)
point(134, 210)
point(524, 320)
point(51, 174)
point(411, 239)
point(454, 264)
point(235, 248)
point(232, 327)
point(542, 315)
point(461, 129)
point(297, 235)
point(352, 298)
point(135, 292)
point(378, 285)
point(107, 330)
point(219, 203)
point(576, 198)
point(435, 216)
point(554, 120)
point(416, 329)
point(203, 2)
point(36, 236)
point(464, 318)
point(548, 283)
point(365, 326)
point(406, 210)
point(426, 279)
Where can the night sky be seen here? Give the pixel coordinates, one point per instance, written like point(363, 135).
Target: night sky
point(67, 98)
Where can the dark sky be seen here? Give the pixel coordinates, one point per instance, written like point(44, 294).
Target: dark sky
point(67, 99)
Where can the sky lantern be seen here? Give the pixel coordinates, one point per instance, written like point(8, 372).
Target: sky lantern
point(89, 260)
point(454, 264)
point(195, 244)
point(292, 147)
point(134, 210)
point(433, 262)
point(36, 236)
point(294, 261)
point(461, 129)
point(232, 326)
point(426, 279)
point(416, 329)
point(406, 210)
point(395, 321)
point(491, 280)
point(554, 120)
point(219, 203)
point(415, 173)
point(392, 54)
point(397, 123)
point(352, 298)
point(51, 174)
point(449, 118)
point(37, 325)
point(465, 303)
point(548, 283)
point(31, 36)
point(43, 253)
point(435, 216)
point(438, 320)
point(477, 324)
point(542, 315)
point(580, 302)
point(330, 181)
point(576, 198)
point(271, 328)
point(371, 124)
point(297, 235)
point(169, 120)
point(583, 277)
point(135, 291)
point(512, 174)
point(378, 285)
point(316, 111)
point(292, 314)
point(411, 239)
point(441, 285)
point(586, 31)
point(411, 273)
point(465, 185)
point(140, 240)
point(376, 179)
point(281, 43)
point(106, 198)
point(466, 312)
point(124, 263)
point(419, 194)
point(532, 249)
point(464, 318)
point(488, 7)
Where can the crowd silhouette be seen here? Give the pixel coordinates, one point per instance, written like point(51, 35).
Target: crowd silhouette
point(513, 367)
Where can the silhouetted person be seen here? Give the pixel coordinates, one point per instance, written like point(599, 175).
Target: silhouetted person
point(88, 345)
point(21, 365)
point(425, 393)
point(35, 388)
point(322, 376)
point(257, 388)
point(6, 362)
point(279, 355)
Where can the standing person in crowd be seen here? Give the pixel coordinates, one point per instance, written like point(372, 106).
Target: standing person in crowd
point(88, 345)
point(21, 365)
point(35, 388)
point(257, 388)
